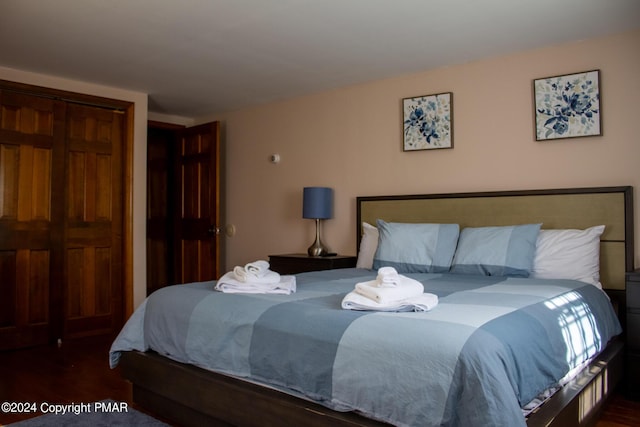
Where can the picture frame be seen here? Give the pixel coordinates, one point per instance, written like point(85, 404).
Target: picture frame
point(567, 106)
point(427, 122)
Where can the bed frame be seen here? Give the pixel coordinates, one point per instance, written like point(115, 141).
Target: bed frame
point(190, 395)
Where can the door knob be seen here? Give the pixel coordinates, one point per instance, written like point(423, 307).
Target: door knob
point(213, 230)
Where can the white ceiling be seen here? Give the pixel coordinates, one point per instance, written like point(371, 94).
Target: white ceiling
point(200, 57)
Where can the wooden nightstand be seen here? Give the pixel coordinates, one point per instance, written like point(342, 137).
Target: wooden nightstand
point(633, 334)
point(300, 263)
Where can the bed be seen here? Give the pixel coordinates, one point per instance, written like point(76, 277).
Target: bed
point(330, 380)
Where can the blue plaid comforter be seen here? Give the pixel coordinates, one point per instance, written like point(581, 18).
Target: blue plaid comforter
point(490, 346)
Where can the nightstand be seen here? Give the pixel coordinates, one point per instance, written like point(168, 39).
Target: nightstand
point(300, 263)
point(633, 334)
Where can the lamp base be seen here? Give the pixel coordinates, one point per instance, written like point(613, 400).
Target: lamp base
point(318, 249)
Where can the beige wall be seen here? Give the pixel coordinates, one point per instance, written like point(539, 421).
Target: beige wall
point(350, 139)
point(139, 156)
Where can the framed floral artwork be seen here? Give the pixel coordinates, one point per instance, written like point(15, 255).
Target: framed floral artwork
point(567, 106)
point(427, 122)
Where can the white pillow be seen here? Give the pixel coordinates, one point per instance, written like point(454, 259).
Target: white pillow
point(569, 254)
point(368, 246)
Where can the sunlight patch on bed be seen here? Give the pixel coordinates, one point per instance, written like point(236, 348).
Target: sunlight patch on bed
point(578, 327)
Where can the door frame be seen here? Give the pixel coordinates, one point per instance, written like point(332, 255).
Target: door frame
point(128, 109)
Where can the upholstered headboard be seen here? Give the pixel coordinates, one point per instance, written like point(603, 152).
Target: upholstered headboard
point(576, 208)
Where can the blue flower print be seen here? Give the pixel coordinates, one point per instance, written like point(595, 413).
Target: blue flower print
point(427, 122)
point(567, 106)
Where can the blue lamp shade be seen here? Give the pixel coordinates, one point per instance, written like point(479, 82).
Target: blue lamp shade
point(317, 203)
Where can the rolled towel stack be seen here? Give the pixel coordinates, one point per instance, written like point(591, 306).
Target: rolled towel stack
point(388, 277)
point(256, 278)
point(390, 291)
point(256, 272)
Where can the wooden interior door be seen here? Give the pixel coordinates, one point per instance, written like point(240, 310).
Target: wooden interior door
point(93, 246)
point(198, 201)
point(31, 176)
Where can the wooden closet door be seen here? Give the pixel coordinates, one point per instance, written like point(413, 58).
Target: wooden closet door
point(31, 216)
point(93, 220)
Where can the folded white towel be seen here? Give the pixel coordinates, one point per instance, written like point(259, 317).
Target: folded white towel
point(270, 277)
point(388, 277)
point(256, 272)
point(424, 302)
point(406, 288)
point(257, 268)
point(229, 284)
point(240, 273)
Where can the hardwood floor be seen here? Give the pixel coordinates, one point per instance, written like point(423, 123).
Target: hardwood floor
point(620, 412)
point(78, 372)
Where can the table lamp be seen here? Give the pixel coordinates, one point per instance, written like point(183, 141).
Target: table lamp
point(317, 203)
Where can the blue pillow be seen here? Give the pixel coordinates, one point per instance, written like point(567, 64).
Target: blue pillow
point(497, 251)
point(416, 248)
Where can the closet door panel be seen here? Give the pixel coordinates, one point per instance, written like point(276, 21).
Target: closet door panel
point(40, 202)
point(28, 285)
point(9, 166)
point(104, 183)
point(94, 220)
point(31, 175)
point(76, 186)
point(8, 289)
point(38, 289)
